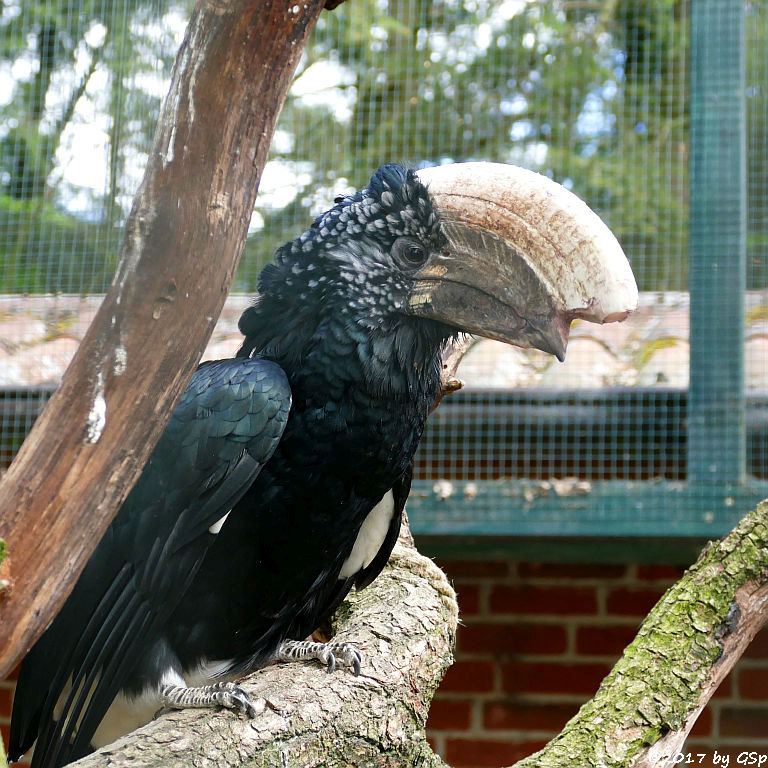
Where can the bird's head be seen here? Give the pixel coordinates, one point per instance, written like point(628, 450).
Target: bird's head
point(485, 248)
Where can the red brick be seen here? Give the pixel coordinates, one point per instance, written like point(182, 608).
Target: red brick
point(702, 728)
point(632, 602)
point(475, 569)
point(560, 601)
point(725, 689)
point(469, 676)
point(604, 641)
point(527, 716)
point(449, 715)
point(487, 753)
point(468, 596)
point(669, 574)
point(753, 684)
point(744, 721)
point(581, 679)
point(512, 638)
point(570, 571)
point(758, 648)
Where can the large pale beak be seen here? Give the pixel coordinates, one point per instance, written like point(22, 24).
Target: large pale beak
point(524, 258)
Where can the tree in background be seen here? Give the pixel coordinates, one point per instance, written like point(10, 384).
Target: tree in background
point(66, 56)
point(592, 93)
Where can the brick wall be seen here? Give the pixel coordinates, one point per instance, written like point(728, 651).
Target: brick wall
point(535, 643)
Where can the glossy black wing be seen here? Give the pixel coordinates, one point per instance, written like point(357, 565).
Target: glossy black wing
point(224, 429)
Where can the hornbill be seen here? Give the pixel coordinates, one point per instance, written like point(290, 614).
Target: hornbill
point(279, 482)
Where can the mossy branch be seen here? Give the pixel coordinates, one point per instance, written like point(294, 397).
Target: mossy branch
point(648, 703)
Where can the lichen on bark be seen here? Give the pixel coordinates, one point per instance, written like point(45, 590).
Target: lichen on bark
point(682, 651)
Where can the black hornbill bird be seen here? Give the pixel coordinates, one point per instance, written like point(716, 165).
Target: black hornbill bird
point(279, 482)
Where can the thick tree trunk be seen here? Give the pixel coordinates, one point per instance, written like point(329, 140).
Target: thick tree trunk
point(405, 622)
point(183, 240)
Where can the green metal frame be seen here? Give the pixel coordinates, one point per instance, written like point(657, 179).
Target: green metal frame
point(507, 508)
point(716, 493)
point(718, 244)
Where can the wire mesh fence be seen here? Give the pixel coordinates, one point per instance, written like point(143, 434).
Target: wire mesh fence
point(596, 94)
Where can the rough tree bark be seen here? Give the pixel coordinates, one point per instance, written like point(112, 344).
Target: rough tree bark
point(404, 624)
point(183, 240)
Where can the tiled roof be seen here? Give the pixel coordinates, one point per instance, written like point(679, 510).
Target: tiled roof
point(39, 336)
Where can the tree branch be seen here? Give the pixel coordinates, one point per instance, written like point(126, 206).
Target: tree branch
point(404, 624)
point(648, 703)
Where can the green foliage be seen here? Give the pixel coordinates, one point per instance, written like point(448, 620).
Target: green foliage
point(58, 48)
point(44, 249)
point(592, 94)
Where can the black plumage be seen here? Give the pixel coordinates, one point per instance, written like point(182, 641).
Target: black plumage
point(300, 436)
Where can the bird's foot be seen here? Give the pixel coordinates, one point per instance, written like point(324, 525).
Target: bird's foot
point(327, 653)
point(222, 694)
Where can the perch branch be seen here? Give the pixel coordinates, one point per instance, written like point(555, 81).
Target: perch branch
point(648, 703)
point(404, 624)
point(452, 356)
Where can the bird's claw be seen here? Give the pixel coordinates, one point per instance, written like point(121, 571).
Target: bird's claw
point(222, 694)
point(235, 697)
point(343, 652)
point(327, 653)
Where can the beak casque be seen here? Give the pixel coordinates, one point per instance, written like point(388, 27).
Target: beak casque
point(524, 257)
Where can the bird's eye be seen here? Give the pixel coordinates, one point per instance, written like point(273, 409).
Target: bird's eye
point(409, 253)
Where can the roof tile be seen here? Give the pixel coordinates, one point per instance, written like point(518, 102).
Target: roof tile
point(39, 335)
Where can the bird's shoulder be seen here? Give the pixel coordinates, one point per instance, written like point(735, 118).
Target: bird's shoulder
point(223, 430)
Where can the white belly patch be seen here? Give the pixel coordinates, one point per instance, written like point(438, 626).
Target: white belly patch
point(217, 526)
point(125, 715)
point(370, 537)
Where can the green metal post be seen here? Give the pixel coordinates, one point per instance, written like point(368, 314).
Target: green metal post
point(716, 435)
